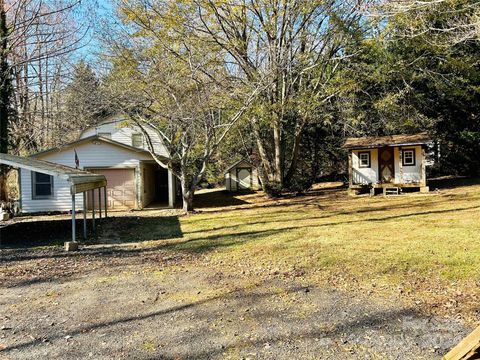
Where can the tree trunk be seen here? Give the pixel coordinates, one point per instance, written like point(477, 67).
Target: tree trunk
point(272, 174)
point(187, 201)
point(295, 153)
point(277, 140)
point(5, 97)
point(5, 84)
point(261, 149)
point(187, 195)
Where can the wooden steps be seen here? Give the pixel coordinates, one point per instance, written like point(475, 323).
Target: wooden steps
point(468, 348)
point(392, 191)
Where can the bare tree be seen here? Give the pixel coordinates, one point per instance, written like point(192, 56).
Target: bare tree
point(41, 36)
point(461, 19)
point(294, 45)
point(178, 90)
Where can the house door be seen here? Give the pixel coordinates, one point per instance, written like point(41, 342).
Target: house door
point(244, 176)
point(386, 165)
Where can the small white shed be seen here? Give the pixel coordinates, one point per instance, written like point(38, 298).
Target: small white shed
point(242, 176)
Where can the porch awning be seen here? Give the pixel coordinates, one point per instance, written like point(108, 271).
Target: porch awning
point(80, 180)
point(390, 140)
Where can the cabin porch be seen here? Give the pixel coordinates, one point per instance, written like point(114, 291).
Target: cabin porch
point(375, 189)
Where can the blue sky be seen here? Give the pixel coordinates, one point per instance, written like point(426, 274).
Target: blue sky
point(96, 14)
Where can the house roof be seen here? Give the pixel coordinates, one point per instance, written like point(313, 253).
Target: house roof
point(87, 139)
point(390, 140)
point(113, 118)
point(237, 163)
point(81, 180)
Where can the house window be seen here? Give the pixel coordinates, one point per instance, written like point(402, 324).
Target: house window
point(364, 159)
point(42, 186)
point(137, 140)
point(105, 135)
point(408, 157)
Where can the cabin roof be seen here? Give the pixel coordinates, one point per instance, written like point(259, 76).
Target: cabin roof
point(74, 176)
point(238, 163)
point(390, 140)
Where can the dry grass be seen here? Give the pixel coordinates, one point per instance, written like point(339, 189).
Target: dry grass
point(424, 247)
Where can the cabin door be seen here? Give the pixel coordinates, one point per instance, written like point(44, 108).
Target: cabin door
point(386, 165)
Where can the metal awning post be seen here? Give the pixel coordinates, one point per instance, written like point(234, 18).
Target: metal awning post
point(84, 215)
point(93, 211)
point(73, 218)
point(105, 199)
point(99, 203)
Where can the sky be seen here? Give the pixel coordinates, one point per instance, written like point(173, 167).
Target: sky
point(98, 15)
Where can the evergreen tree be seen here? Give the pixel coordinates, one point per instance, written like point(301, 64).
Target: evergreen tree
point(407, 84)
point(85, 100)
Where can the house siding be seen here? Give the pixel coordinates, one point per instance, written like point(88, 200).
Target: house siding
point(231, 180)
point(365, 175)
point(92, 154)
point(60, 201)
point(123, 134)
point(411, 174)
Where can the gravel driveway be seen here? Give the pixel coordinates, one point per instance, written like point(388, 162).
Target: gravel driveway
point(139, 303)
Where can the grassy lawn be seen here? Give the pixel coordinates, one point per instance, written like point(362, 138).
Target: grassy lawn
point(424, 247)
point(317, 276)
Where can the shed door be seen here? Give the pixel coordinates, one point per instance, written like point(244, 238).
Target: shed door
point(244, 176)
point(386, 164)
point(120, 188)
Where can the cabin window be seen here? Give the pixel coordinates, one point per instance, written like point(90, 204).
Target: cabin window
point(408, 157)
point(105, 135)
point(137, 140)
point(364, 159)
point(42, 186)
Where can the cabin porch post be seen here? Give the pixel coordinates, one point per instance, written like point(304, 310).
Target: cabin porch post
point(350, 168)
point(350, 174)
point(423, 174)
point(400, 165)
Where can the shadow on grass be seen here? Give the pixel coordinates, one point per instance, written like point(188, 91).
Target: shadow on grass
point(220, 198)
point(117, 230)
point(24, 234)
point(452, 182)
point(126, 229)
point(387, 208)
point(64, 265)
point(137, 229)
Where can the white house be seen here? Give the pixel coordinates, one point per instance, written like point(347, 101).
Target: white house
point(388, 162)
point(242, 175)
point(112, 149)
